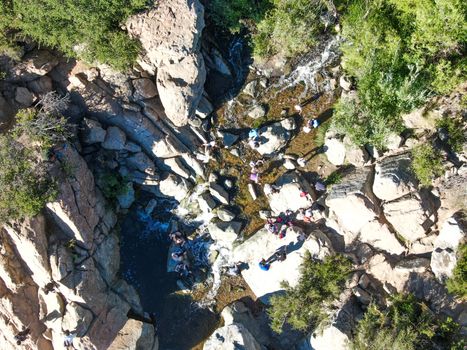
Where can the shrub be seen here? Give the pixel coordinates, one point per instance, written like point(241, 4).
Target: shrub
point(455, 129)
point(289, 28)
point(457, 284)
point(112, 185)
point(92, 25)
point(426, 163)
point(45, 125)
point(307, 304)
point(229, 14)
point(25, 186)
point(406, 324)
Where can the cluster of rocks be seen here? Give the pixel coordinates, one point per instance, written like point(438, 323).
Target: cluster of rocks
point(59, 273)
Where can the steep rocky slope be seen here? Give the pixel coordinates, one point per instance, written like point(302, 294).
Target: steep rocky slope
point(149, 127)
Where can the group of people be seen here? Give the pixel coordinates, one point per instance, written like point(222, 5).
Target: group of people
point(180, 254)
point(278, 225)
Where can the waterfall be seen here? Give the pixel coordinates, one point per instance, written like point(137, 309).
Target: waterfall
point(316, 61)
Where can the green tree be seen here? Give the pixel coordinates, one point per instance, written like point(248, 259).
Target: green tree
point(231, 14)
point(307, 304)
point(80, 28)
point(407, 324)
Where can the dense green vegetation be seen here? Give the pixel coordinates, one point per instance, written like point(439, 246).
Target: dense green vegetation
point(399, 52)
point(85, 28)
point(278, 27)
point(306, 305)
point(406, 324)
point(426, 163)
point(233, 14)
point(457, 284)
point(25, 182)
point(289, 28)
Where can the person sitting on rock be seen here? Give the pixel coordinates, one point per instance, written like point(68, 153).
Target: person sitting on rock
point(264, 265)
point(280, 255)
point(270, 189)
point(22, 336)
point(283, 233)
point(272, 228)
point(68, 341)
point(178, 238)
point(254, 176)
point(254, 143)
point(183, 270)
point(179, 255)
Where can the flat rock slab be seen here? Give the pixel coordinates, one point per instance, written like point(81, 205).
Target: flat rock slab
point(288, 198)
point(263, 245)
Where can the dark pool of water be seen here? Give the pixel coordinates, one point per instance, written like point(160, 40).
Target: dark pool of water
point(144, 248)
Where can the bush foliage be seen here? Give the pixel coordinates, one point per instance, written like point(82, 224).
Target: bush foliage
point(426, 163)
point(289, 28)
point(25, 186)
point(407, 324)
point(457, 284)
point(399, 52)
point(25, 182)
point(93, 26)
point(307, 304)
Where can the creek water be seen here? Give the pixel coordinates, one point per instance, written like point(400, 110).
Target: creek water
point(182, 324)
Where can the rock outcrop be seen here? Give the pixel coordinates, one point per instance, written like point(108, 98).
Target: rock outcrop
point(263, 245)
point(446, 245)
point(170, 34)
point(58, 272)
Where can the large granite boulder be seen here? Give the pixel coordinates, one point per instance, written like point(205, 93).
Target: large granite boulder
point(224, 232)
point(334, 148)
point(175, 186)
point(444, 257)
point(378, 236)
point(274, 137)
point(399, 275)
point(135, 335)
point(352, 202)
point(231, 337)
point(170, 34)
point(115, 139)
point(264, 244)
point(394, 177)
point(290, 194)
point(411, 216)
